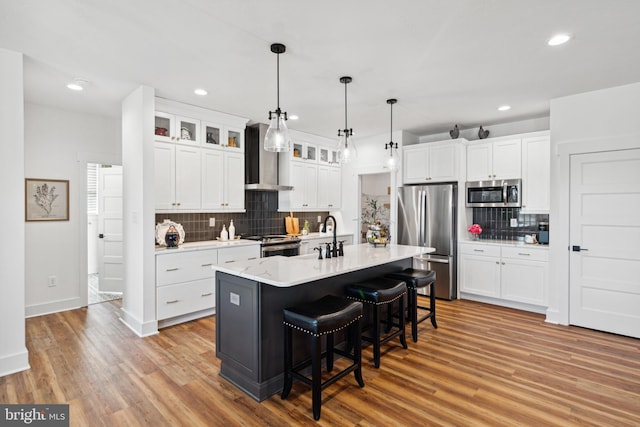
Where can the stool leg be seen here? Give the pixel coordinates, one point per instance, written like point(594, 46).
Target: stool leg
point(376, 336)
point(288, 361)
point(389, 318)
point(403, 339)
point(413, 313)
point(432, 303)
point(357, 352)
point(316, 376)
point(329, 352)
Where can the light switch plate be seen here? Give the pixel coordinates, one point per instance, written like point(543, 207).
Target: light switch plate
point(514, 222)
point(212, 222)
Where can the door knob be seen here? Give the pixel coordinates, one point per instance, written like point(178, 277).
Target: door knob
point(577, 248)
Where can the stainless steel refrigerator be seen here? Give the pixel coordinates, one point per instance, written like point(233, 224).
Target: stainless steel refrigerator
point(427, 217)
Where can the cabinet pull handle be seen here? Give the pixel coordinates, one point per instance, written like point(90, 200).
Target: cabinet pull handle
point(253, 257)
point(522, 253)
point(172, 269)
point(207, 294)
point(207, 265)
point(231, 260)
point(478, 250)
point(173, 301)
point(503, 262)
point(498, 262)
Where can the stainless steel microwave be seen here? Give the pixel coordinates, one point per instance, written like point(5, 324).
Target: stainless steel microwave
point(504, 193)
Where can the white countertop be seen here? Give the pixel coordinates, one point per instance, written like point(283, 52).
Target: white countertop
point(206, 244)
point(511, 243)
point(290, 271)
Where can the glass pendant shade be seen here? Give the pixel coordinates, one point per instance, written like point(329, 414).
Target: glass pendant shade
point(392, 159)
point(277, 137)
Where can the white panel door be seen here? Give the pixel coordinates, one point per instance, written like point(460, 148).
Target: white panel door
point(188, 178)
point(605, 239)
point(234, 181)
point(110, 261)
point(212, 180)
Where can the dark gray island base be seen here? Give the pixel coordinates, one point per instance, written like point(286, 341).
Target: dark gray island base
point(249, 331)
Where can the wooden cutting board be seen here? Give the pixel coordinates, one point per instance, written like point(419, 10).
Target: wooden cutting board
point(292, 224)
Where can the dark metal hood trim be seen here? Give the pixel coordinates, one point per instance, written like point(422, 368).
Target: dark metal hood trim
point(260, 166)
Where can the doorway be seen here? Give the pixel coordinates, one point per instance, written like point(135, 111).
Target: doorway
point(375, 203)
point(604, 261)
point(104, 233)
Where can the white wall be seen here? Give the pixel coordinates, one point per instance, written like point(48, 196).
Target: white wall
point(14, 356)
point(590, 122)
point(370, 160)
point(504, 129)
point(139, 301)
point(56, 144)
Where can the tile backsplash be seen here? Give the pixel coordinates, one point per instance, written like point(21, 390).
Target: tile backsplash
point(261, 217)
point(496, 223)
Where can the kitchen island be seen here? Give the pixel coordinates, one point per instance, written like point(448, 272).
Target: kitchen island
point(251, 295)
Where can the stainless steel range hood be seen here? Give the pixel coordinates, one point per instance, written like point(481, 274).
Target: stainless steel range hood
point(260, 166)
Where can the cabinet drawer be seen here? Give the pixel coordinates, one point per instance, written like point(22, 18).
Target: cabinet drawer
point(525, 253)
point(176, 300)
point(239, 253)
point(185, 266)
point(479, 249)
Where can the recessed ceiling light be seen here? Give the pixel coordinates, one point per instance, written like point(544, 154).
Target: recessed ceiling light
point(558, 39)
point(200, 92)
point(293, 117)
point(77, 84)
point(504, 108)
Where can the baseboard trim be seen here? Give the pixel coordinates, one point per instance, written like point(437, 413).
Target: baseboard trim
point(12, 363)
point(52, 307)
point(141, 329)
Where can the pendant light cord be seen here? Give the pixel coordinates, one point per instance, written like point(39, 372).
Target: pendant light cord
point(345, 108)
point(278, 83)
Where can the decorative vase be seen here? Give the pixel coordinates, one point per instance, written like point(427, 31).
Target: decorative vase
point(172, 237)
point(475, 237)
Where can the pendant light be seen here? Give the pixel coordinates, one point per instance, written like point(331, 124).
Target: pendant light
point(277, 137)
point(347, 153)
point(392, 160)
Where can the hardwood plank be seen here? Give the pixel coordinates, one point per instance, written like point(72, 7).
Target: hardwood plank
point(484, 365)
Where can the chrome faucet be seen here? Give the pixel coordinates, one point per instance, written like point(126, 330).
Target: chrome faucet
point(334, 251)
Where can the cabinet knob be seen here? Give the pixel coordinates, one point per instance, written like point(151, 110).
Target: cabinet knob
point(502, 262)
point(498, 262)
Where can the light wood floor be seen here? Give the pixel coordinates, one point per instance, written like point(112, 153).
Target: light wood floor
point(484, 365)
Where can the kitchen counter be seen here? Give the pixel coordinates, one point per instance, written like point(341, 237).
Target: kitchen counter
point(291, 271)
point(250, 297)
point(207, 244)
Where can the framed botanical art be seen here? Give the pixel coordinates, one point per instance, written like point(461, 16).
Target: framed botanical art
point(46, 199)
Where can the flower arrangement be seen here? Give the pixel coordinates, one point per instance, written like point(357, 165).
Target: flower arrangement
point(475, 229)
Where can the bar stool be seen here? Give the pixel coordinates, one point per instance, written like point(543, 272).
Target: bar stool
point(377, 292)
point(322, 317)
point(415, 279)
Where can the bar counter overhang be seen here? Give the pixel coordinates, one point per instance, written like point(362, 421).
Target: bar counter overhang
point(250, 297)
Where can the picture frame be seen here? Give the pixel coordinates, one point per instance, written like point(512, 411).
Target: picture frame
point(46, 199)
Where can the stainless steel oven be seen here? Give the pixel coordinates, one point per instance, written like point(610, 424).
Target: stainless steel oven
point(503, 193)
point(277, 245)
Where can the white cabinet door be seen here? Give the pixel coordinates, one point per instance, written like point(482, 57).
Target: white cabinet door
point(524, 281)
point(536, 173)
point(165, 172)
point(212, 179)
point(507, 159)
point(480, 162)
point(329, 188)
point(298, 181)
point(187, 177)
point(415, 164)
point(480, 275)
point(442, 163)
point(234, 181)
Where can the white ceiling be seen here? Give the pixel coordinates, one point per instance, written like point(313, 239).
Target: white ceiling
point(447, 62)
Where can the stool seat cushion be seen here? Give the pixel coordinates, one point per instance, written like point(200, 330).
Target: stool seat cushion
point(326, 315)
point(414, 277)
point(377, 291)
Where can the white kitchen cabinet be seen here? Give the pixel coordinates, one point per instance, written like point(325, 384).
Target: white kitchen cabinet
point(232, 254)
point(506, 274)
point(536, 174)
point(218, 136)
point(303, 177)
point(175, 128)
point(308, 243)
point(494, 159)
point(431, 162)
point(222, 180)
point(304, 151)
point(329, 188)
point(177, 177)
point(185, 285)
point(328, 156)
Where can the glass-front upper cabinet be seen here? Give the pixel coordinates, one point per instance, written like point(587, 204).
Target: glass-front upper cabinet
point(328, 156)
point(304, 151)
point(212, 135)
point(235, 139)
point(171, 128)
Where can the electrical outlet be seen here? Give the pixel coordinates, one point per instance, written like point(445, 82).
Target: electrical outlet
point(514, 222)
point(319, 218)
point(212, 222)
point(53, 281)
point(234, 298)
